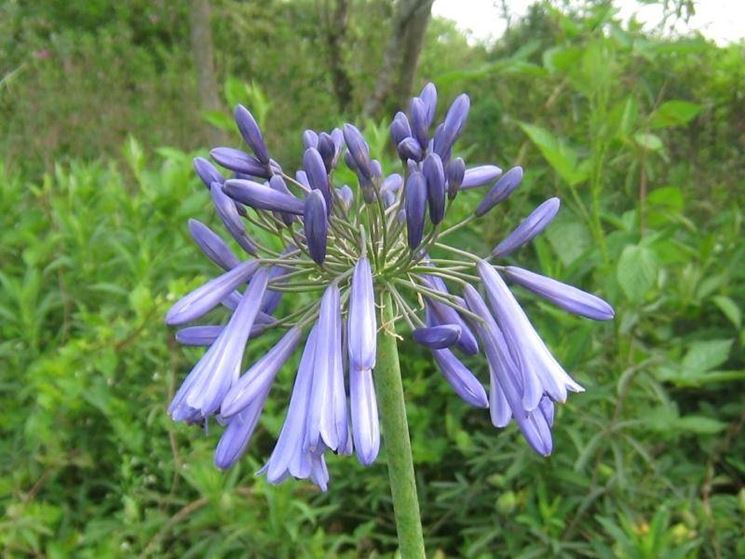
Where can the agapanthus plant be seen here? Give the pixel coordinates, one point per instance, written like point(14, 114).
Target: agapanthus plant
point(373, 256)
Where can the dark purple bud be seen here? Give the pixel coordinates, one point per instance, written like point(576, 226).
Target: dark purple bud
point(531, 226)
point(316, 172)
point(452, 126)
point(465, 384)
point(345, 194)
point(435, 176)
point(207, 172)
point(437, 337)
point(416, 206)
point(400, 129)
point(228, 213)
point(445, 314)
point(240, 162)
point(418, 119)
point(277, 183)
point(310, 139)
point(327, 149)
point(205, 298)
point(455, 173)
point(439, 144)
point(351, 163)
point(409, 149)
point(212, 245)
point(376, 169)
point(316, 225)
point(501, 190)
point(479, 176)
point(562, 295)
point(429, 98)
point(358, 149)
point(261, 197)
point(251, 133)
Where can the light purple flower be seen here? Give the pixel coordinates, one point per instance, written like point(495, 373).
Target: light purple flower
point(362, 324)
point(529, 228)
point(206, 385)
point(460, 378)
point(346, 196)
point(562, 295)
point(442, 313)
point(479, 176)
point(365, 425)
point(238, 432)
point(207, 334)
point(258, 379)
point(205, 298)
point(500, 191)
point(212, 245)
point(327, 410)
point(310, 139)
point(525, 346)
point(261, 197)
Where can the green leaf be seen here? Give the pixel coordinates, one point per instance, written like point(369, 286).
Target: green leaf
point(559, 154)
point(729, 309)
point(648, 141)
point(705, 356)
point(674, 113)
point(636, 271)
point(699, 425)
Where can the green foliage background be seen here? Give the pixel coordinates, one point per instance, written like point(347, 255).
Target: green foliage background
point(642, 138)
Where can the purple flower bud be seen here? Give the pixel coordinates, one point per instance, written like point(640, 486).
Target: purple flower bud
point(302, 178)
point(358, 149)
point(316, 172)
point(435, 175)
point(240, 162)
point(211, 378)
point(261, 197)
point(228, 213)
point(364, 406)
point(205, 298)
point(452, 126)
point(273, 297)
point(531, 226)
point(310, 139)
point(251, 133)
point(501, 190)
point(455, 175)
point(258, 379)
point(351, 163)
point(418, 119)
point(479, 176)
point(415, 205)
point(362, 326)
point(437, 337)
point(376, 169)
point(277, 183)
point(465, 384)
point(525, 345)
point(212, 245)
point(206, 335)
point(400, 129)
point(237, 434)
point(409, 149)
point(345, 194)
point(316, 225)
point(327, 149)
point(207, 172)
point(562, 295)
point(428, 96)
point(393, 182)
point(327, 411)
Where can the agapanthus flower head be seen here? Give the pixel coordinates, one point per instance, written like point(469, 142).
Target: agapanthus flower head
point(341, 251)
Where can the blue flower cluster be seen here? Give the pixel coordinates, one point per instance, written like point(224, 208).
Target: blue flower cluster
point(352, 245)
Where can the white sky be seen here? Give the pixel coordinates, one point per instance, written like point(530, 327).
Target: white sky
point(721, 20)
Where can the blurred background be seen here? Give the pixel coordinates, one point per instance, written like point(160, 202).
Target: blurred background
point(636, 121)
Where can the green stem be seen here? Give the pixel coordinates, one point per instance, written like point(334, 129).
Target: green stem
point(396, 435)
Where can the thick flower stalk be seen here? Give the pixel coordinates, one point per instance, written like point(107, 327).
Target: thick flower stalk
point(364, 262)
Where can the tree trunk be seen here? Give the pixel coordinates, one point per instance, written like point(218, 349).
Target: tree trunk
point(396, 78)
point(204, 64)
point(336, 31)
